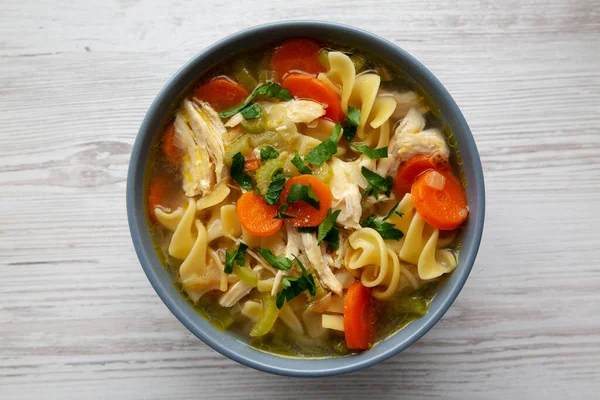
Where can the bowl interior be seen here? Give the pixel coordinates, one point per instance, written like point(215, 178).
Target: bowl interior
point(227, 343)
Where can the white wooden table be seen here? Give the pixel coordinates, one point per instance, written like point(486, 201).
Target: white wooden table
point(78, 318)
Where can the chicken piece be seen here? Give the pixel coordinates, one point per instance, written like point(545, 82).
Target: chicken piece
point(346, 193)
point(410, 139)
point(234, 294)
point(298, 111)
point(199, 134)
point(313, 252)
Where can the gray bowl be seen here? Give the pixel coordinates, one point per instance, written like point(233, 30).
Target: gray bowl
point(229, 344)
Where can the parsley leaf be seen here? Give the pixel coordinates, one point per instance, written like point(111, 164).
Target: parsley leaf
point(238, 174)
point(333, 238)
point(268, 153)
point(281, 263)
point(381, 152)
point(327, 224)
point(299, 164)
point(237, 256)
point(275, 187)
point(324, 150)
point(292, 287)
point(252, 111)
point(385, 229)
point(377, 183)
point(303, 192)
point(351, 123)
point(392, 211)
point(271, 89)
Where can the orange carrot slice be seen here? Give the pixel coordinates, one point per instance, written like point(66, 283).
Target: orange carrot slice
point(408, 172)
point(307, 87)
point(159, 187)
point(256, 215)
point(221, 93)
point(296, 55)
point(252, 163)
point(305, 214)
point(168, 147)
point(359, 317)
point(444, 208)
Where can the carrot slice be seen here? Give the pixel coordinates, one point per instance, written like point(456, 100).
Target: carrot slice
point(159, 187)
point(221, 93)
point(408, 172)
point(307, 87)
point(307, 215)
point(256, 215)
point(252, 163)
point(359, 317)
point(296, 55)
point(168, 147)
point(443, 209)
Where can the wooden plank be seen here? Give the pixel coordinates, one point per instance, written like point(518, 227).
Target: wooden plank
point(77, 315)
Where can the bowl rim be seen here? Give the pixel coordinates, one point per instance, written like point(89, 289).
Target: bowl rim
point(348, 364)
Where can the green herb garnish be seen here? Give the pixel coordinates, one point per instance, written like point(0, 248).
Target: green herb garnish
point(327, 224)
point(351, 123)
point(275, 187)
point(333, 238)
point(268, 153)
point(377, 183)
point(238, 174)
point(299, 164)
point(251, 112)
point(292, 287)
point(392, 211)
point(272, 90)
point(326, 149)
point(281, 263)
point(238, 256)
point(385, 229)
point(381, 152)
point(304, 193)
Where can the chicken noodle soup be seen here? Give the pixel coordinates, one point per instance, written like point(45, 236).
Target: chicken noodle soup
point(306, 197)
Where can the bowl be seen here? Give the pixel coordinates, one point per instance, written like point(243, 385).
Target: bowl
point(227, 343)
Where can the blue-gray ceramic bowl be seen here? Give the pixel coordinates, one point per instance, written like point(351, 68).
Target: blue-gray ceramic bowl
point(227, 343)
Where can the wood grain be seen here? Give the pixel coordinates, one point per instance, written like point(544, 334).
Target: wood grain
point(78, 317)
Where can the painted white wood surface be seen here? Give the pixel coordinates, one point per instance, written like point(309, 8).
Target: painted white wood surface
point(78, 319)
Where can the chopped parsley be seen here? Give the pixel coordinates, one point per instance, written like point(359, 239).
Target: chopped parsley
point(393, 211)
point(377, 183)
point(268, 153)
point(292, 287)
point(271, 89)
point(275, 187)
point(385, 229)
point(238, 256)
point(238, 174)
point(326, 149)
point(351, 123)
point(381, 152)
point(328, 224)
point(299, 164)
point(304, 193)
point(252, 111)
point(282, 263)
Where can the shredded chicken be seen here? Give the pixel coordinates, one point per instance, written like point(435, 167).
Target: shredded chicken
point(410, 139)
point(313, 252)
point(235, 294)
point(199, 134)
point(346, 193)
point(298, 111)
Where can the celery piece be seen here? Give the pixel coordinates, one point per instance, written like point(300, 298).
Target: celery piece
point(324, 172)
point(246, 275)
point(324, 58)
point(271, 138)
point(264, 175)
point(359, 62)
point(239, 145)
point(243, 75)
point(256, 125)
point(414, 304)
point(268, 317)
